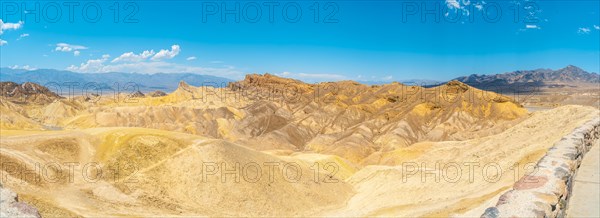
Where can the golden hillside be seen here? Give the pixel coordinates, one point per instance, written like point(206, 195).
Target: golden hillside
point(265, 112)
point(336, 149)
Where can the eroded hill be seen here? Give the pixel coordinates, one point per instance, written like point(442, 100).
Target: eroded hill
point(270, 146)
point(265, 112)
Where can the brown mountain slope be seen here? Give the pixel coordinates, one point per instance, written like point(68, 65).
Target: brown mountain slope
point(27, 92)
point(567, 76)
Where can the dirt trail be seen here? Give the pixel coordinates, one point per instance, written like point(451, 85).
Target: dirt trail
point(585, 199)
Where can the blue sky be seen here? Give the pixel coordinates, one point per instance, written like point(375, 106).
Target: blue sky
point(359, 40)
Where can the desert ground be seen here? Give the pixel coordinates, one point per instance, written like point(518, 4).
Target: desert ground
point(270, 146)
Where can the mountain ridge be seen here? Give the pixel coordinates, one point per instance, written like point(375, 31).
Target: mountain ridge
point(166, 82)
point(27, 92)
point(520, 81)
point(569, 76)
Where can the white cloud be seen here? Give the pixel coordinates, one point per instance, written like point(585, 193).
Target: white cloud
point(479, 6)
point(103, 65)
point(10, 26)
point(3, 42)
point(453, 4)
point(191, 58)
point(64, 47)
point(130, 62)
point(597, 27)
point(132, 57)
point(309, 77)
point(26, 67)
point(166, 54)
point(147, 54)
point(462, 6)
point(95, 65)
point(161, 55)
point(583, 30)
point(530, 27)
point(23, 36)
point(76, 53)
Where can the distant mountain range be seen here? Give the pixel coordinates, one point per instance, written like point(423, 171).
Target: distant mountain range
point(517, 81)
point(570, 76)
point(167, 82)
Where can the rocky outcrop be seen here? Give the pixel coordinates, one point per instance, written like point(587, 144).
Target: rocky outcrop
point(10, 206)
point(546, 192)
point(157, 93)
point(27, 92)
point(137, 94)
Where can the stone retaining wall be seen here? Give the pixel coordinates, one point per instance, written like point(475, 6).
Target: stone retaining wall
point(545, 193)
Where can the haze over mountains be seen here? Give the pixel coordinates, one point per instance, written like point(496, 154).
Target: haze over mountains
point(532, 88)
point(146, 82)
point(522, 80)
